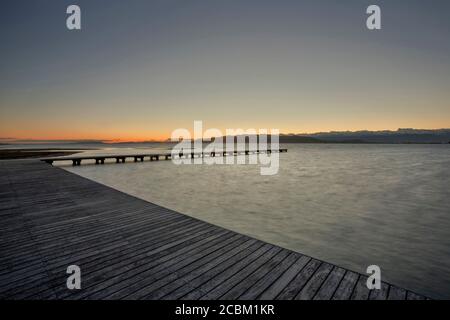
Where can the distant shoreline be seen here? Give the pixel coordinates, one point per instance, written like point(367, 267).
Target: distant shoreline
point(400, 136)
point(10, 154)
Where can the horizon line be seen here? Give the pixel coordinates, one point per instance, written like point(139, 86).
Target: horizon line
point(7, 140)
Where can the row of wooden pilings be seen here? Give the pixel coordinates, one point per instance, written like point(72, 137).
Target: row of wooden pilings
point(155, 157)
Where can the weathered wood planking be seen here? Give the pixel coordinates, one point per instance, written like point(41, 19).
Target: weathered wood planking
point(128, 248)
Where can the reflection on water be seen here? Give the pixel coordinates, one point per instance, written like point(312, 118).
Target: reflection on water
point(352, 205)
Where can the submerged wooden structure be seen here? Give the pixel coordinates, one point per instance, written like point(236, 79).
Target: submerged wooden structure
point(128, 248)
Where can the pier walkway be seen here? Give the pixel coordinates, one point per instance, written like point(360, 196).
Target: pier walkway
point(128, 248)
point(121, 158)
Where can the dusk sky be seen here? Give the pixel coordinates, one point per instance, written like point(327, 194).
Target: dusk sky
point(140, 69)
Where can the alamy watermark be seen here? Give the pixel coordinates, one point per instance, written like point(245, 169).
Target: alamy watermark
point(73, 21)
point(212, 146)
point(74, 280)
point(373, 22)
point(374, 280)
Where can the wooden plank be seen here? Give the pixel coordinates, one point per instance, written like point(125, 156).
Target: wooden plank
point(414, 296)
point(264, 283)
point(361, 292)
point(72, 253)
point(236, 278)
point(249, 282)
point(98, 272)
point(312, 286)
point(294, 287)
point(396, 293)
point(105, 271)
point(330, 285)
point(186, 267)
point(197, 287)
point(346, 287)
point(69, 259)
point(379, 294)
point(186, 281)
point(135, 279)
point(276, 287)
point(237, 265)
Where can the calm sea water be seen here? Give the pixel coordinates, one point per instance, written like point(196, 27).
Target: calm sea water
point(352, 205)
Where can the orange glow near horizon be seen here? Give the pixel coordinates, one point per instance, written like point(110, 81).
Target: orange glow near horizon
point(112, 136)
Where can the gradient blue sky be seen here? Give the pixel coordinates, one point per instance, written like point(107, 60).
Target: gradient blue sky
point(139, 69)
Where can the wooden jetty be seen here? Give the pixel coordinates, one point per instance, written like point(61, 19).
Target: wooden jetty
point(121, 158)
point(128, 248)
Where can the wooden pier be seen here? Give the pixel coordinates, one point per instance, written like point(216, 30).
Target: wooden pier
point(121, 158)
point(128, 248)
